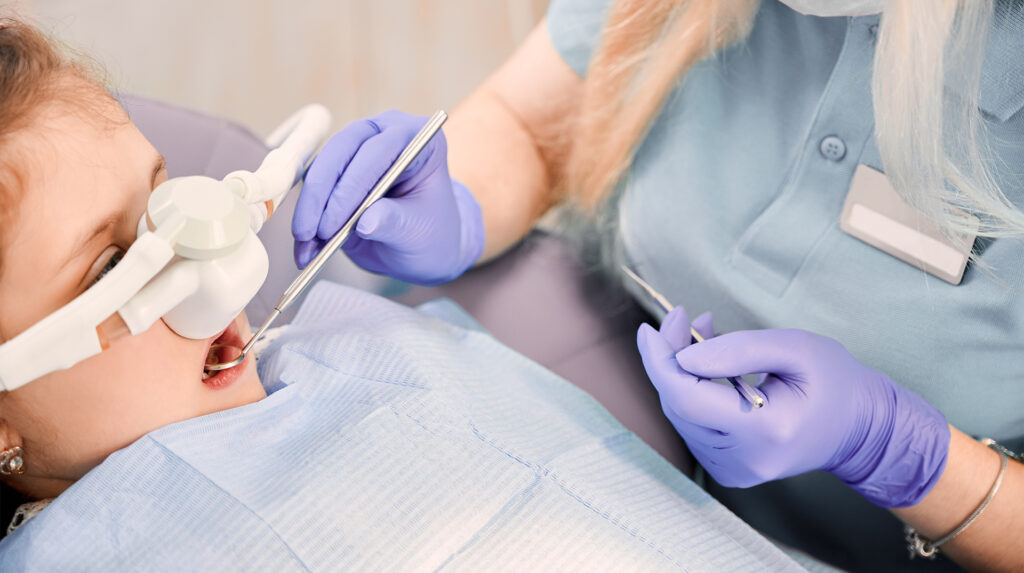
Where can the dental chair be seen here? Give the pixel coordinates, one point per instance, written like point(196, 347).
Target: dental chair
point(538, 298)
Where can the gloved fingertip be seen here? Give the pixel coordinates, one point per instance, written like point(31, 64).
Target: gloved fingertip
point(367, 224)
point(643, 332)
point(382, 221)
point(675, 328)
point(652, 343)
point(670, 319)
point(709, 359)
point(304, 252)
point(300, 228)
point(704, 325)
point(680, 358)
point(691, 357)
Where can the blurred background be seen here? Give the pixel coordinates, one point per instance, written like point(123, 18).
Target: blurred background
point(256, 61)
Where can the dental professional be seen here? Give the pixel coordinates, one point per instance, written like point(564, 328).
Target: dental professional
point(839, 182)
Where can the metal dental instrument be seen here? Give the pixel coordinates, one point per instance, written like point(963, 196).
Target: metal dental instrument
point(746, 390)
point(313, 268)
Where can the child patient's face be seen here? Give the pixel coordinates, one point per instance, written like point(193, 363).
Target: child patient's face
point(85, 172)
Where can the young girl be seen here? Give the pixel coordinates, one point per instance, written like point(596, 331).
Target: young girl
point(75, 177)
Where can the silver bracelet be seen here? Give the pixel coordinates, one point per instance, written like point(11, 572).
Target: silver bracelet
point(921, 547)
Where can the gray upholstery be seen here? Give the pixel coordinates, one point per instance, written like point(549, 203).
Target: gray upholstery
point(194, 143)
point(537, 299)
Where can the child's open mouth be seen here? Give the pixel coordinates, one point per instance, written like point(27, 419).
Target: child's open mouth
point(224, 348)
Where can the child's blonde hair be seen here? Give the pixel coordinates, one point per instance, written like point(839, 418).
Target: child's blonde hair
point(35, 71)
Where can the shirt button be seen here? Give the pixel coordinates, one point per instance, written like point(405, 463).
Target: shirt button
point(873, 30)
point(832, 148)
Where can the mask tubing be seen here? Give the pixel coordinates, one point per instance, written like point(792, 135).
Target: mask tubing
point(293, 144)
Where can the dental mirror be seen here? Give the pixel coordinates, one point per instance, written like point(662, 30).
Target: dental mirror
point(223, 356)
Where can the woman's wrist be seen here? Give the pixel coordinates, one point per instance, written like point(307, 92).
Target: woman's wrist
point(921, 546)
point(902, 450)
point(991, 540)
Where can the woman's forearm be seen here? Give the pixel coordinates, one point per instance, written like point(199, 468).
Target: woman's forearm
point(507, 138)
point(992, 542)
point(495, 157)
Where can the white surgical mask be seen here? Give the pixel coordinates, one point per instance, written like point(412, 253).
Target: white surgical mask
point(830, 8)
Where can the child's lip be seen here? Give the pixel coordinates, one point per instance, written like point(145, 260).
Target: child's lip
point(221, 378)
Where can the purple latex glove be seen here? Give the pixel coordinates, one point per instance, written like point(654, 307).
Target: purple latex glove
point(427, 230)
point(824, 411)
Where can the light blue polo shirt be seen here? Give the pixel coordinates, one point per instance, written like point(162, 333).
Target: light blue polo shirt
point(733, 205)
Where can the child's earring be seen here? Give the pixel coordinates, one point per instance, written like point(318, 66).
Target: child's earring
point(11, 461)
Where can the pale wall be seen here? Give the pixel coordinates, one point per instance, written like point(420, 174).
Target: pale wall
point(255, 61)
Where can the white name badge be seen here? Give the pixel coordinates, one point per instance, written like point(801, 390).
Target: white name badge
point(876, 214)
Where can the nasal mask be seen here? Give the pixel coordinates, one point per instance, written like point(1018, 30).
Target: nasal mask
point(196, 262)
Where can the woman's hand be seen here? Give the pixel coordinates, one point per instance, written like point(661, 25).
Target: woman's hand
point(427, 230)
point(824, 411)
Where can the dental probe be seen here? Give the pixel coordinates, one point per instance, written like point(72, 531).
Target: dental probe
point(745, 390)
point(313, 268)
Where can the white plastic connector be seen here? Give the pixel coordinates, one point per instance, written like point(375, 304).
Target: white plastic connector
point(246, 184)
point(294, 142)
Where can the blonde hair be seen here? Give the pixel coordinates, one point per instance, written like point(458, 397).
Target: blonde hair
point(36, 70)
point(932, 147)
point(646, 46)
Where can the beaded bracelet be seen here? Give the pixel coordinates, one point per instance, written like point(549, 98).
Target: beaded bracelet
point(919, 546)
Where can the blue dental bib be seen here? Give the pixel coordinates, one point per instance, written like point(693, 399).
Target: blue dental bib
point(392, 439)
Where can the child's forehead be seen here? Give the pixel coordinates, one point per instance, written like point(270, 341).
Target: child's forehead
point(72, 147)
point(73, 166)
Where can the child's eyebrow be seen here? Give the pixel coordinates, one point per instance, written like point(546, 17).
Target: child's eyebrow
point(111, 219)
point(159, 165)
